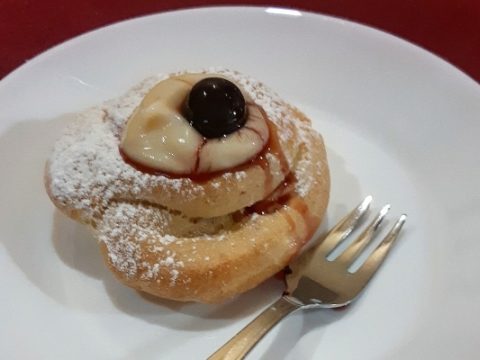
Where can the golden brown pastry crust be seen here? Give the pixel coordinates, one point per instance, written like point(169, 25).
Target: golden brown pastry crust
point(202, 246)
point(235, 257)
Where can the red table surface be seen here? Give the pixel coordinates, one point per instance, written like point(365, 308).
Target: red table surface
point(448, 28)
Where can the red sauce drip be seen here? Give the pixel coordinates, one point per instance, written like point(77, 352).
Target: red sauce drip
point(276, 199)
point(200, 147)
point(299, 205)
point(263, 163)
point(290, 221)
point(272, 146)
point(284, 195)
point(254, 130)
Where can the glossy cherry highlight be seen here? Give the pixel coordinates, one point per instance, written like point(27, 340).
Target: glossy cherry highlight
point(215, 107)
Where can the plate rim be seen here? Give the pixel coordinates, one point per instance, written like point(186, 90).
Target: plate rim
point(11, 76)
point(363, 29)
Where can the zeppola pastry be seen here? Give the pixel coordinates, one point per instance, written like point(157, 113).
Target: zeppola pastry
point(198, 186)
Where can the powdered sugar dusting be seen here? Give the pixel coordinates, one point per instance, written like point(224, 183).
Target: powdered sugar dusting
point(130, 230)
point(83, 169)
point(305, 178)
point(274, 164)
point(87, 170)
point(88, 174)
point(306, 172)
point(167, 239)
point(239, 175)
point(119, 110)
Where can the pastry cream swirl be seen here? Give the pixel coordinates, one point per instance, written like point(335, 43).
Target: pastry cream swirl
point(159, 137)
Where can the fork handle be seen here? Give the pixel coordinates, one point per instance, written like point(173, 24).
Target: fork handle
point(244, 341)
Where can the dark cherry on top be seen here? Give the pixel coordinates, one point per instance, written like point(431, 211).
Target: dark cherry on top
point(215, 107)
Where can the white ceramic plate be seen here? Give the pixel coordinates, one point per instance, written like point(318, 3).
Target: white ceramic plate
point(399, 123)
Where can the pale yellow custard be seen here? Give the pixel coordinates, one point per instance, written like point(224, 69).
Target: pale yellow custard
point(159, 137)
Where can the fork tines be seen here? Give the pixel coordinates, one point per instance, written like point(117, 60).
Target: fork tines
point(349, 223)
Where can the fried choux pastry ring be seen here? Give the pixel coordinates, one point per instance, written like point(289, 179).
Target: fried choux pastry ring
point(197, 185)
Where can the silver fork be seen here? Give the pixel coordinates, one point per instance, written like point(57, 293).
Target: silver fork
point(318, 282)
